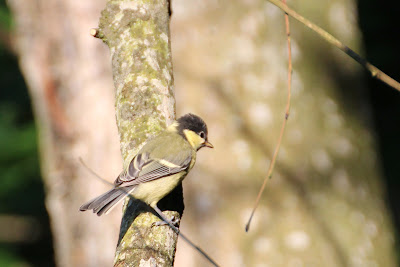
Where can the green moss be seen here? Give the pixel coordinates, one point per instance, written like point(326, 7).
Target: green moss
point(107, 16)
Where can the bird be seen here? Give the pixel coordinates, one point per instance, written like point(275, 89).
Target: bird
point(159, 166)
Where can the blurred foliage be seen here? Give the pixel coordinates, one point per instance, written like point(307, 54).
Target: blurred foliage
point(21, 188)
point(5, 16)
point(5, 19)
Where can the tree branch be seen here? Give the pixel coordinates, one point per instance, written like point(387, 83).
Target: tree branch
point(137, 33)
point(374, 71)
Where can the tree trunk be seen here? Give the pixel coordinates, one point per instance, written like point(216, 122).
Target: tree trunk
point(70, 82)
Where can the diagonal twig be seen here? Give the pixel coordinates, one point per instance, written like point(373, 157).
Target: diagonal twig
point(374, 71)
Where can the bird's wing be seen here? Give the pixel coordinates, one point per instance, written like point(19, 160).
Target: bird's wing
point(144, 169)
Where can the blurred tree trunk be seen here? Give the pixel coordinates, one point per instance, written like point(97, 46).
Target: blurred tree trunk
point(69, 78)
point(325, 205)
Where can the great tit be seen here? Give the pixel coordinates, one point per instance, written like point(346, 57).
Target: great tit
point(161, 164)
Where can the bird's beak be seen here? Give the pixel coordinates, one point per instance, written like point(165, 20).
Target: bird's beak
point(208, 144)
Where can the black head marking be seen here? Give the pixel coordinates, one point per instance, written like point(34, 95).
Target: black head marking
point(193, 123)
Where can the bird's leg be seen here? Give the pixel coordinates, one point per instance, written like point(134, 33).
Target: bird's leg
point(165, 221)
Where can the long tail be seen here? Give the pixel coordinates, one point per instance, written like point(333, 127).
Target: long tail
point(105, 202)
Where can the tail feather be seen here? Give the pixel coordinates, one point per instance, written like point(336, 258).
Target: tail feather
point(110, 205)
point(105, 202)
point(104, 199)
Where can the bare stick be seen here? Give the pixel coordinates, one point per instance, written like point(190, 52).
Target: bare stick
point(95, 32)
point(287, 110)
point(159, 212)
point(375, 72)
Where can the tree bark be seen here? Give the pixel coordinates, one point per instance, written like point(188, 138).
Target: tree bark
point(137, 33)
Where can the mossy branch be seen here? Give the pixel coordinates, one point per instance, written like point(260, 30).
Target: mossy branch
point(137, 33)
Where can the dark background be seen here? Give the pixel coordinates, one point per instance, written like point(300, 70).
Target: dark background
point(19, 161)
point(21, 188)
point(380, 27)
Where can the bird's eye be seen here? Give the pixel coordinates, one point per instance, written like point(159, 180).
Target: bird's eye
point(202, 135)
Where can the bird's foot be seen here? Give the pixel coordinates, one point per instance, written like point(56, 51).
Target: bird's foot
point(174, 221)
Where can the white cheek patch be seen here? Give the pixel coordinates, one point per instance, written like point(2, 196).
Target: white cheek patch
point(194, 140)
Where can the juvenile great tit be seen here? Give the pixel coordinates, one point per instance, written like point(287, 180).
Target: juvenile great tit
point(161, 164)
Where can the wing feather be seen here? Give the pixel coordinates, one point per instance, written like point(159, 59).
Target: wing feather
point(143, 168)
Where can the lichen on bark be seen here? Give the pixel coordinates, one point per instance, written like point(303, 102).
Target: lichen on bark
point(137, 33)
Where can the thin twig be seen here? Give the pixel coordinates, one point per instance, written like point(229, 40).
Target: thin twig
point(159, 212)
point(287, 111)
point(94, 173)
point(375, 72)
point(178, 232)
